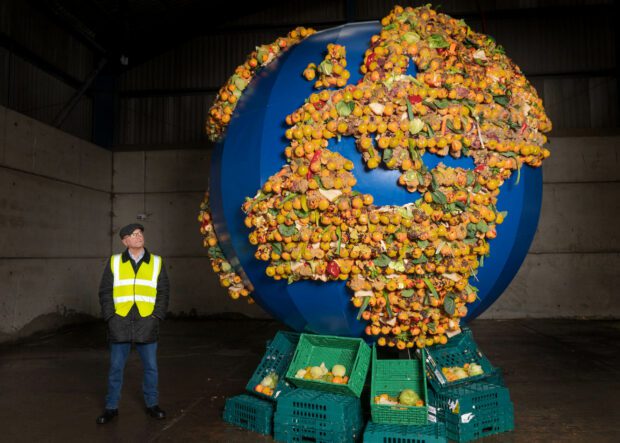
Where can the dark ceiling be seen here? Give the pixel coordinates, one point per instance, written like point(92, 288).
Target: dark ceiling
point(140, 29)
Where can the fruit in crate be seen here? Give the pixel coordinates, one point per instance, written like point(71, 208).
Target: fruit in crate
point(320, 373)
point(458, 373)
point(268, 384)
point(339, 371)
point(407, 397)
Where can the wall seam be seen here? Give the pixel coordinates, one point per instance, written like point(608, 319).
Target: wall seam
point(59, 180)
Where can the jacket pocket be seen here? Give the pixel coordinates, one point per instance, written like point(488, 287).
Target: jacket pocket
point(118, 329)
point(147, 329)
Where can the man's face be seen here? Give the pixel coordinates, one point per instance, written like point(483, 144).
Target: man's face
point(135, 240)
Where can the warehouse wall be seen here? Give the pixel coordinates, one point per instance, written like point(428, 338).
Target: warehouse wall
point(62, 202)
point(572, 267)
point(168, 186)
point(55, 222)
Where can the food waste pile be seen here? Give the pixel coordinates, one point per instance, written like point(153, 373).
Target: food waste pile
point(410, 269)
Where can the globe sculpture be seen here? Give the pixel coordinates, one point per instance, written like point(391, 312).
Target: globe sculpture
point(320, 291)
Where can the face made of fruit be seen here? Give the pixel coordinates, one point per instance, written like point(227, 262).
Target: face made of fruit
point(134, 241)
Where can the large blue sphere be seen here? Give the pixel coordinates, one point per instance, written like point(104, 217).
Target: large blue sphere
point(253, 150)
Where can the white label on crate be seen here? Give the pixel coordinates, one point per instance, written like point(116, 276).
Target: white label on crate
point(466, 418)
point(432, 410)
point(440, 376)
point(454, 406)
point(451, 334)
point(276, 394)
point(432, 418)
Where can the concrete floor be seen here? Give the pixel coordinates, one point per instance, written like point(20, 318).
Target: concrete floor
point(563, 375)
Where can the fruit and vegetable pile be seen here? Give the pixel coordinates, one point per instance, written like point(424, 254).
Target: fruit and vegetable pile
point(226, 100)
point(460, 373)
point(332, 70)
point(268, 384)
point(320, 373)
point(407, 397)
point(229, 279)
point(408, 267)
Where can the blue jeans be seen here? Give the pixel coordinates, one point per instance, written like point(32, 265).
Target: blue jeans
point(118, 357)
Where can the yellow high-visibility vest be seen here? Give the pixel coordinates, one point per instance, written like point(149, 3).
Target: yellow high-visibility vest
point(130, 288)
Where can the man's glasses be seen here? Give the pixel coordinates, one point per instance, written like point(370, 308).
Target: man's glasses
point(136, 234)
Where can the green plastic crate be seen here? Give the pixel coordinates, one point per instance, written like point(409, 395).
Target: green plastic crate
point(496, 378)
point(314, 416)
point(459, 350)
point(391, 377)
point(308, 430)
point(312, 350)
point(381, 433)
point(484, 426)
point(320, 407)
point(276, 359)
point(474, 410)
point(250, 413)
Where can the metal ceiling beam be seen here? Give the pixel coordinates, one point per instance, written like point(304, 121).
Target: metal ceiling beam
point(70, 23)
point(66, 110)
point(35, 59)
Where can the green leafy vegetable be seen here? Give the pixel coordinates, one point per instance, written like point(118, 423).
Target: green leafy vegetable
point(501, 100)
point(326, 67)
point(439, 197)
point(431, 287)
point(411, 37)
point(415, 125)
point(287, 231)
point(363, 307)
point(407, 293)
point(382, 261)
point(449, 305)
point(344, 109)
point(437, 41)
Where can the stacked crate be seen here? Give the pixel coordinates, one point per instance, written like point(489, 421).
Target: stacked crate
point(250, 413)
point(307, 415)
point(321, 411)
point(255, 411)
point(384, 433)
point(473, 407)
point(401, 423)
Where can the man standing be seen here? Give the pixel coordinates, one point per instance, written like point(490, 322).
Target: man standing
point(134, 295)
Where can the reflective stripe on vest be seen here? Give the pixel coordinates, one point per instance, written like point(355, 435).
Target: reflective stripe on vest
point(130, 288)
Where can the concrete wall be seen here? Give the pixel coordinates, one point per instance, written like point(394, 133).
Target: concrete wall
point(573, 267)
point(55, 224)
point(168, 187)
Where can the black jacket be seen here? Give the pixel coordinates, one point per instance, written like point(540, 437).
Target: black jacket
point(133, 327)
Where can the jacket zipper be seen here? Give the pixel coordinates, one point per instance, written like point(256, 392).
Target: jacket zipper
point(135, 276)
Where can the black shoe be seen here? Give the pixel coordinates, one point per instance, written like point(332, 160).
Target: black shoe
point(108, 415)
point(155, 412)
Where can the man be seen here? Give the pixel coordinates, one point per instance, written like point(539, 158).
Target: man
point(134, 294)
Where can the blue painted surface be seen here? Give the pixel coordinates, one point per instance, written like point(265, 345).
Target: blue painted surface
point(253, 149)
